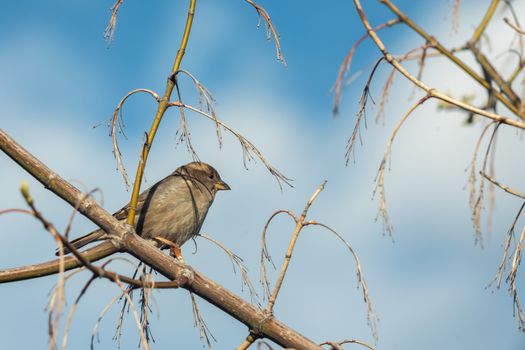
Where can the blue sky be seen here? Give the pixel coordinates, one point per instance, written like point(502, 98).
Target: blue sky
point(58, 79)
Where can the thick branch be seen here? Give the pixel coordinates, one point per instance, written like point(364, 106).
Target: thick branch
point(51, 267)
point(255, 319)
point(436, 44)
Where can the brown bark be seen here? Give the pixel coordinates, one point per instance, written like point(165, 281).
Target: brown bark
point(258, 321)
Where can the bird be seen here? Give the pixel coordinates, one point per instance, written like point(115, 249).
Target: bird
point(172, 211)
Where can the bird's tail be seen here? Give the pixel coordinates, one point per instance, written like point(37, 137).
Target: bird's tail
point(84, 240)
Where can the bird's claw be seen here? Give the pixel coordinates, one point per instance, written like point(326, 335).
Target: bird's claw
point(174, 248)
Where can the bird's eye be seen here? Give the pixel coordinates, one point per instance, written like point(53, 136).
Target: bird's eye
point(210, 176)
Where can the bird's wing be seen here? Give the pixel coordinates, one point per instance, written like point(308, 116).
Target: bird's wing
point(122, 214)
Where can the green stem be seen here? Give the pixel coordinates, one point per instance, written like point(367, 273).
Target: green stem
point(161, 109)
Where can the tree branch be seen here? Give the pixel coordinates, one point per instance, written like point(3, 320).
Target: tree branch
point(188, 278)
point(430, 91)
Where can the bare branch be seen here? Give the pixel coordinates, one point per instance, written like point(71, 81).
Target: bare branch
point(371, 314)
point(433, 92)
point(206, 104)
point(455, 15)
point(117, 125)
point(503, 187)
point(270, 29)
point(204, 332)
point(236, 261)
point(361, 115)
point(171, 268)
point(505, 261)
point(109, 32)
point(339, 345)
point(513, 26)
point(476, 203)
point(295, 235)
point(344, 68)
point(250, 339)
point(265, 254)
point(249, 149)
point(380, 177)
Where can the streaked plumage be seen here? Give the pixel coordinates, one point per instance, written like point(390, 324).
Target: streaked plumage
point(173, 208)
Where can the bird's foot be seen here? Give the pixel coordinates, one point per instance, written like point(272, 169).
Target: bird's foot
point(174, 248)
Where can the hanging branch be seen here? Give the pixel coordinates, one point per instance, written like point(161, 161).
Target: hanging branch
point(270, 29)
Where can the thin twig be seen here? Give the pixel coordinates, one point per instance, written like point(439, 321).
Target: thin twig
point(344, 68)
point(265, 254)
point(371, 314)
point(236, 261)
point(57, 298)
point(361, 115)
point(270, 29)
point(503, 187)
point(295, 235)
point(117, 126)
point(339, 345)
point(438, 46)
point(204, 332)
point(380, 177)
point(513, 26)
point(477, 203)
point(249, 149)
point(109, 32)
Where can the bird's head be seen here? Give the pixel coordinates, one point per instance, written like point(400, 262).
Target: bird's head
point(205, 174)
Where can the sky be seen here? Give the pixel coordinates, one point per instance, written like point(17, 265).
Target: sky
point(427, 282)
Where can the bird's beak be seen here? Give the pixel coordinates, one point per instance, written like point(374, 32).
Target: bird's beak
point(221, 185)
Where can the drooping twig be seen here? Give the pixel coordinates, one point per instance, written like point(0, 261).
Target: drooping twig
point(117, 126)
point(206, 104)
point(185, 135)
point(124, 293)
point(514, 263)
point(380, 177)
point(57, 299)
point(339, 345)
point(265, 254)
point(270, 29)
point(476, 202)
point(474, 208)
point(371, 314)
point(384, 96)
point(503, 187)
point(344, 68)
point(361, 115)
point(74, 307)
point(455, 15)
point(249, 149)
point(109, 32)
point(237, 262)
point(204, 332)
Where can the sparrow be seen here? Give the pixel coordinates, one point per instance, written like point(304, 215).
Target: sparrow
point(171, 211)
